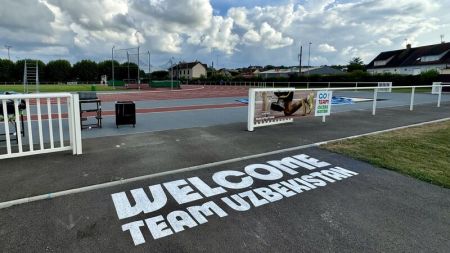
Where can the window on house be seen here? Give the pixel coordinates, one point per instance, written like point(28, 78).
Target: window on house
point(382, 62)
point(429, 58)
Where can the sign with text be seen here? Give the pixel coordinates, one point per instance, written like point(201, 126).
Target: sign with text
point(276, 106)
point(323, 105)
point(385, 87)
point(436, 89)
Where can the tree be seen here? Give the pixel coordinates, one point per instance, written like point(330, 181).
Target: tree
point(105, 68)
point(85, 71)
point(6, 70)
point(356, 64)
point(58, 71)
point(160, 75)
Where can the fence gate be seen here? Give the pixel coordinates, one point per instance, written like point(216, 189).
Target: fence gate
point(33, 124)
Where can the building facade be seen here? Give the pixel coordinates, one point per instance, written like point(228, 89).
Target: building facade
point(188, 70)
point(412, 61)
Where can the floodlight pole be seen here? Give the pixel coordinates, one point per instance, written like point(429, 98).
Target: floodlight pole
point(128, 65)
point(300, 61)
point(139, 70)
point(8, 47)
point(171, 73)
point(112, 66)
point(309, 59)
point(149, 68)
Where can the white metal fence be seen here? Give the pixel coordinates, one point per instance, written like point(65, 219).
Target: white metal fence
point(437, 88)
point(39, 123)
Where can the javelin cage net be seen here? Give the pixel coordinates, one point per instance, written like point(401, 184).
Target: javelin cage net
point(130, 68)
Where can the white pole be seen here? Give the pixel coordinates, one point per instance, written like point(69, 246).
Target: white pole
point(251, 111)
point(77, 124)
point(375, 95)
point(439, 96)
point(323, 118)
point(411, 105)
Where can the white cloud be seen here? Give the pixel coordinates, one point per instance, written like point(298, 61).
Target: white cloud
point(326, 48)
point(192, 29)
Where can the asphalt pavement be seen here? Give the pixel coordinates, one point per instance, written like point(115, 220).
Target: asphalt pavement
point(222, 189)
point(306, 209)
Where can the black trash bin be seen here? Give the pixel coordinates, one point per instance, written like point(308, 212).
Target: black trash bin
point(125, 113)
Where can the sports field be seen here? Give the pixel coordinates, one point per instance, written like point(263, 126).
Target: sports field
point(57, 88)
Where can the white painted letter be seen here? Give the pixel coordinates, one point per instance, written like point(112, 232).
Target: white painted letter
point(295, 186)
point(158, 230)
point(204, 188)
point(319, 174)
point(252, 197)
point(283, 190)
point(333, 174)
point(183, 194)
point(241, 205)
point(207, 209)
point(312, 161)
point(314, 181)
point(221, 179)
point(180, 219)
point(135, 231)
point(268, 194)
point(273, 174)
point(343, 171)
point(143, 203)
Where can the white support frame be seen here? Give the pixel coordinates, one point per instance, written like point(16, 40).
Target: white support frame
point(73, 115)
point(251, 109)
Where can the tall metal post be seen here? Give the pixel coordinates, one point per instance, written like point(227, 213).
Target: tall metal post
point(149, 69)
point(171, 74)
point(8, 47)
point(25, 81)
point(112, 66)
point(139, 71)
point(37, 77)
point(300, 61)
point(128, 65)
point(309, 59)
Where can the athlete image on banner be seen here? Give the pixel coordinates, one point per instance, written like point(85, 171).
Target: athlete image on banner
point(275, 105)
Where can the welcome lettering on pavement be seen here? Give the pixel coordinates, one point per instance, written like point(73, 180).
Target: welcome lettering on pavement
point(192, 189)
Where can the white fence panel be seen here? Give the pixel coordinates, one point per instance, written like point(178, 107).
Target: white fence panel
point(38, 136)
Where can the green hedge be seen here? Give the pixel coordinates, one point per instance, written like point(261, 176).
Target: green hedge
point(165, 84)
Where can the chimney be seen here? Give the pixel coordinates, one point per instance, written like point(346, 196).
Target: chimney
point(408, 46)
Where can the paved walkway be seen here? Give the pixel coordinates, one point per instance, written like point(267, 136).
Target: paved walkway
point(369, 210)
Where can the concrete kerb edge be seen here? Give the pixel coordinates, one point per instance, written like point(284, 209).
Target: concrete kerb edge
point(47, 196)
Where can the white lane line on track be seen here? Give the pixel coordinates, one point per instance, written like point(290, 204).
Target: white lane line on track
point(10, 203)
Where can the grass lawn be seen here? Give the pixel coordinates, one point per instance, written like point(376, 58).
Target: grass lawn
point(421, 152)
point(56, 88)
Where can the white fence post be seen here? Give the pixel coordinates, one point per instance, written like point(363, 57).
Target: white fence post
point(439, 96)
point(375, 96)
point(411, 105)
point(77, 149)
point(251, 110)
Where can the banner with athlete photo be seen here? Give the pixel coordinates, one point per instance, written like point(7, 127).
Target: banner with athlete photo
point(276, 106)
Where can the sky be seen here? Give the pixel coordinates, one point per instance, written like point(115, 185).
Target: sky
point(230, 33)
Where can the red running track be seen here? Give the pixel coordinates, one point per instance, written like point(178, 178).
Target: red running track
point(186, 92)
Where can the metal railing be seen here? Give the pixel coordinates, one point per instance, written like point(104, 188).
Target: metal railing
point(38, 110)
point(376, 90)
